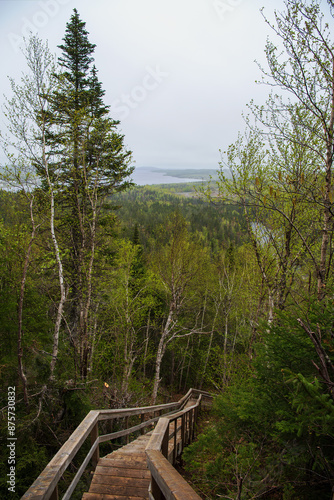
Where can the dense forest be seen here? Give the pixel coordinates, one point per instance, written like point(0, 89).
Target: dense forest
point(115, 295)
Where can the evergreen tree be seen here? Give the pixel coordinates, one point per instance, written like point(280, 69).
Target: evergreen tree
point(90, 164)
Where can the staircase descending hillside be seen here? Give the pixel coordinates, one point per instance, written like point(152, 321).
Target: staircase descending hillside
point(143, 468)
point(122, 474)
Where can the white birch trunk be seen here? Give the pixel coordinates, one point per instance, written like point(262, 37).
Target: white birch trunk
point(160, 353)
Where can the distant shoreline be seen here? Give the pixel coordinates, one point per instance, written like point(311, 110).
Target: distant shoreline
point(153, 175)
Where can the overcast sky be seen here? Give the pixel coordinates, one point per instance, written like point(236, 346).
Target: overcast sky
point(177, 73)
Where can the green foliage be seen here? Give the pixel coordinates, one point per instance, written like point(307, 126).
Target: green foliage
point(87, 161)
point(275, 423)
point(31, 457)
point(148, 206)
point(76, 404)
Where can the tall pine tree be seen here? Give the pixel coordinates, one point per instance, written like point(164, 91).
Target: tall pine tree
point(91, 163)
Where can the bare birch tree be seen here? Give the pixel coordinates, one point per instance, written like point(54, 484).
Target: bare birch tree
point(27, 129)
point(178, 265)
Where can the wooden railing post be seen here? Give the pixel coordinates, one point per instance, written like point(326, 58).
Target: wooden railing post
point(54, 495)
point(186, 441)
point(110, 425)
point(183, 432)
point(126, 426)
point(165, 440)
point(190, 426)
point(142, 419)
point(93, 437)
point(175, 442)
point(155, 490)
point(194, 423)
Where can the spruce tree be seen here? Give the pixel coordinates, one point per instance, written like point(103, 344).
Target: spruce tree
point(90, 164)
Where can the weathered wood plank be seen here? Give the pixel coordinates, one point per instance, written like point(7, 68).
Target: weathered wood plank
point(141, 445)
point(120, 481)
point(158, 434)
point(123, 412)
point(96, 496)
point(119, 490)
point(136, 451)
point(122, 471)
point(128, 412)
point(138, 455)
point(172, 485)
point(128, 457)
point(125, 432)
point(132, 464)
point(47, 481)
point(93, 437)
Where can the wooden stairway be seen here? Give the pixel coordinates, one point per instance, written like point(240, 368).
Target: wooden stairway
point(123, 474)
point(129, 472)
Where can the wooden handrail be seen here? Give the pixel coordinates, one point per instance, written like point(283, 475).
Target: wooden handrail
point(166, 482)
point(46, 485)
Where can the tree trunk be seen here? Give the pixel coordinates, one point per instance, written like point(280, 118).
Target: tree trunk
point(210, 345)
point(322, 274)
point(146, 343)
point(59, 263)
point(160, 354)
point(183, 363)
point(61, 286)
point(20, 308)
point(189, 365)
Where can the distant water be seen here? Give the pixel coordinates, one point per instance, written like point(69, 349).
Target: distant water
point(149, 175)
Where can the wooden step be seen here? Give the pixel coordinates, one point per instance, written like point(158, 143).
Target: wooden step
point(122, 472)
point(122, 475)
point(119, 481)
point(123, 490)
point(127, 462)
point(96, 496)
